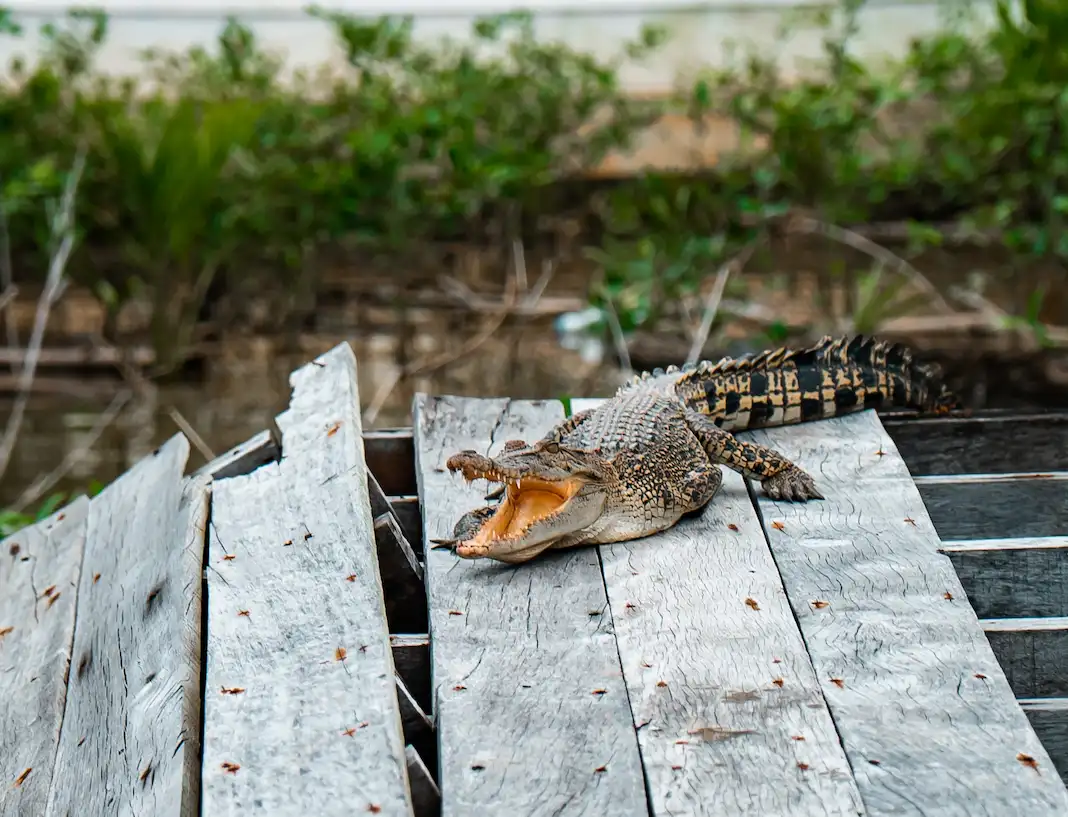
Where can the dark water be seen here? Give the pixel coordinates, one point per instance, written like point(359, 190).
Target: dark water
point(242, 390)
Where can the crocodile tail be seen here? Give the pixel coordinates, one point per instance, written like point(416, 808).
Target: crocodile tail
point(836, 376)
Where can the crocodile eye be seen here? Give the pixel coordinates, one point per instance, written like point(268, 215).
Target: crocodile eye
point(552, 448)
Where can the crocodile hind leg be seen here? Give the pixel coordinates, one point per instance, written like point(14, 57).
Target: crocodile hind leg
point(780, 478)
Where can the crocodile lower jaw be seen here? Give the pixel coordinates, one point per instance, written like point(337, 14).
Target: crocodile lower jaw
point(526, 502)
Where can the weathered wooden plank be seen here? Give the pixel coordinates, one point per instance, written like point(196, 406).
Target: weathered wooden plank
point(718, 735)
point(997, 509)
point(1033, 652)
point(129, 740)
point(390, 457)
point(418, 728)
point(411, 658)
point(400, 569)
point(301, 711)
point(982, 444)
point(39, 570)
point(521, 653)
point(924, 711)
point(245, 457)
point(406, 509)
point(1008, 578)
point(297, 624)
point(426, 797)
point(1049, 717)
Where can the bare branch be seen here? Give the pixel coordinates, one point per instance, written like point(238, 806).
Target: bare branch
point(62, 226)
point(430, 364)
point(715, 297)
point(804, 224)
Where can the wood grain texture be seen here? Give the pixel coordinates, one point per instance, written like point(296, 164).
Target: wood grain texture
point(717, 734)
point(1009, 578)
point(297, 623)
point(974, 445)
point(996, 510)
point(132, 714)
point(39, 570)
point(899, 661)
point(1049, 717)
point(1033, 652)
point(519, 652)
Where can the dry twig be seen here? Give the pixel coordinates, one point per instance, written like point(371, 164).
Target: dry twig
point(715, 297)
point(622, 350)
point(432, 363)
point(805, 225)
point(63, 226)
point(39, 486)
point(7, 297)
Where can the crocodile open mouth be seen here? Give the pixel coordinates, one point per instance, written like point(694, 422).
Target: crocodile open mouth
point(525, 503)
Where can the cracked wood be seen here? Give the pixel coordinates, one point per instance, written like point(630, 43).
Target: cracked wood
point(132, 714)
point(297, 623)
point(924, 711)
point(720, 736)
point(531, 707)
point(39, 569)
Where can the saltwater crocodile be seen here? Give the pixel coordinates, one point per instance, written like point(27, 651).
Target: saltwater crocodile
point(637, 463)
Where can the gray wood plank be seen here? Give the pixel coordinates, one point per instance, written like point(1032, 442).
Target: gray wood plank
point(132, 713)
point(941, 445)
point(1049, 717)
point(1009, 578)
point(997, 509)
point(297, 623)
point(718, 735)
point(519, 652)
point(406, 509)
point(398, 565)
point(243, 458)
point(426, 796)
point(39, 570)
point(1033, 652)
point(899, 661)
point(411, 657)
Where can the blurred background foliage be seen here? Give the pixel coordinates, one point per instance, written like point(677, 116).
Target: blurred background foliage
point(210, 173)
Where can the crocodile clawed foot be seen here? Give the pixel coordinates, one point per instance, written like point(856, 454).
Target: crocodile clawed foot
point(444, 544)
point(496, 493)
point(791, 485)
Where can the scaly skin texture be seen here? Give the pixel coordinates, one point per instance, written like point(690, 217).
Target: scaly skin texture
point(636, 464)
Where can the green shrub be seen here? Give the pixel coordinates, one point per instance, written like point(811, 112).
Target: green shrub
point(209, 174)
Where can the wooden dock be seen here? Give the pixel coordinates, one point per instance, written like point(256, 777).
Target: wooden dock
point(272, 635)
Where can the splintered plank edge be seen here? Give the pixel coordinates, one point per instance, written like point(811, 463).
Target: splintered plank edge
point(39, 570)
point(924, 711)
point(531, 705)
point(730, 716)
point(301, 712)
